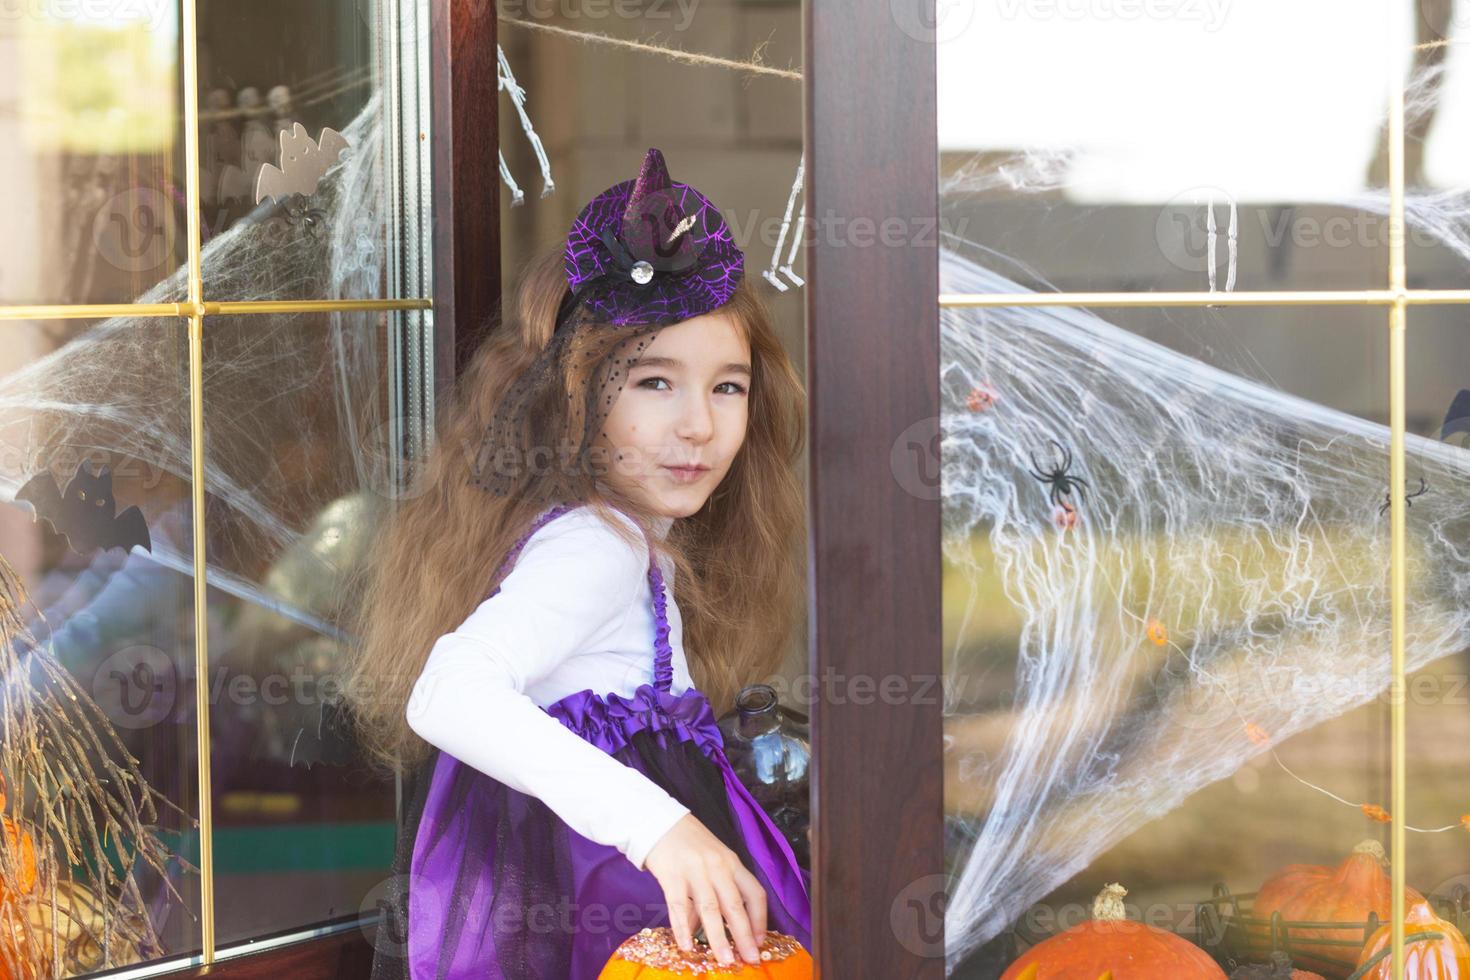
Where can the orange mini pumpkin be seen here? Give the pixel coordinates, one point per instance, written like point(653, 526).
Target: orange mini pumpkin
point(1109, 944)
point(22, 850)
point(20, 845)
point(1348, 893)
point(1427, 959)
point(653, 953)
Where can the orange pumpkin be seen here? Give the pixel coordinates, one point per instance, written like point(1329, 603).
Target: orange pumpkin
point(74, 930)
point(1109, 944)
point(22, 850)
point(1349, 893)
point(1427, 959)
point(22, 855)
point(653, 953)
point(20, 845)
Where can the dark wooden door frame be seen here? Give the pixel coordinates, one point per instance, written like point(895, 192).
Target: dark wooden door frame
point(873, 370)
point(466, 177)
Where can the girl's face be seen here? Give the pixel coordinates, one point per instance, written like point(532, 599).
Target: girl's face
point(680, 419)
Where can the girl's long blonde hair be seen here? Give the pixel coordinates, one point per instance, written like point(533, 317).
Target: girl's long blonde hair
point(738, 561)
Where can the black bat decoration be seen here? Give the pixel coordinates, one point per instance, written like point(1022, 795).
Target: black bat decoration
point(86, 514)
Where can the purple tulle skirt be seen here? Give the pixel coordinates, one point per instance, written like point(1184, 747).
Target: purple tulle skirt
point(499, 886)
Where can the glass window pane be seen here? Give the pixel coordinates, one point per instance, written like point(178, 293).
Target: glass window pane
point(91, 153)
point(1166, 618)
point(1436, 131)
point(99, 531)
point(337, 208)
point(299, 423)
point(1437, 698)
point(1166, 146)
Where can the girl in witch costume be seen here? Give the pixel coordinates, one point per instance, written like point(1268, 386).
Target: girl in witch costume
point(629, 439)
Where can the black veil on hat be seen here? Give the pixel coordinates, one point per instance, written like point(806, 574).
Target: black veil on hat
point(644, 253)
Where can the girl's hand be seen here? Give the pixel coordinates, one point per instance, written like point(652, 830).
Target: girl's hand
point(700, 874)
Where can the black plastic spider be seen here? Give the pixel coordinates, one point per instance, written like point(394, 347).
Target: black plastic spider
point(1062, 483)
point(1409, 499)
point(298, 211)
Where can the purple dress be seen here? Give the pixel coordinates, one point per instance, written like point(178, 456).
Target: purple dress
point(490, 883)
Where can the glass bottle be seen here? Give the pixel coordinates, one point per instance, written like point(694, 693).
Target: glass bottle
point(769, 747)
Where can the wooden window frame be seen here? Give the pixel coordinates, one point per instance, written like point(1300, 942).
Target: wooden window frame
point(874, 542)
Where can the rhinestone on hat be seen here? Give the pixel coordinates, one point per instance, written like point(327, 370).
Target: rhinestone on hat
point(642, 272)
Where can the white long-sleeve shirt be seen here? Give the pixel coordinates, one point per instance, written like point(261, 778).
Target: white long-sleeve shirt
point(575, 612)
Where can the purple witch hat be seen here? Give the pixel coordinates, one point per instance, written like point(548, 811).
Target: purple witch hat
point(642, 254)
point(651, 251)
